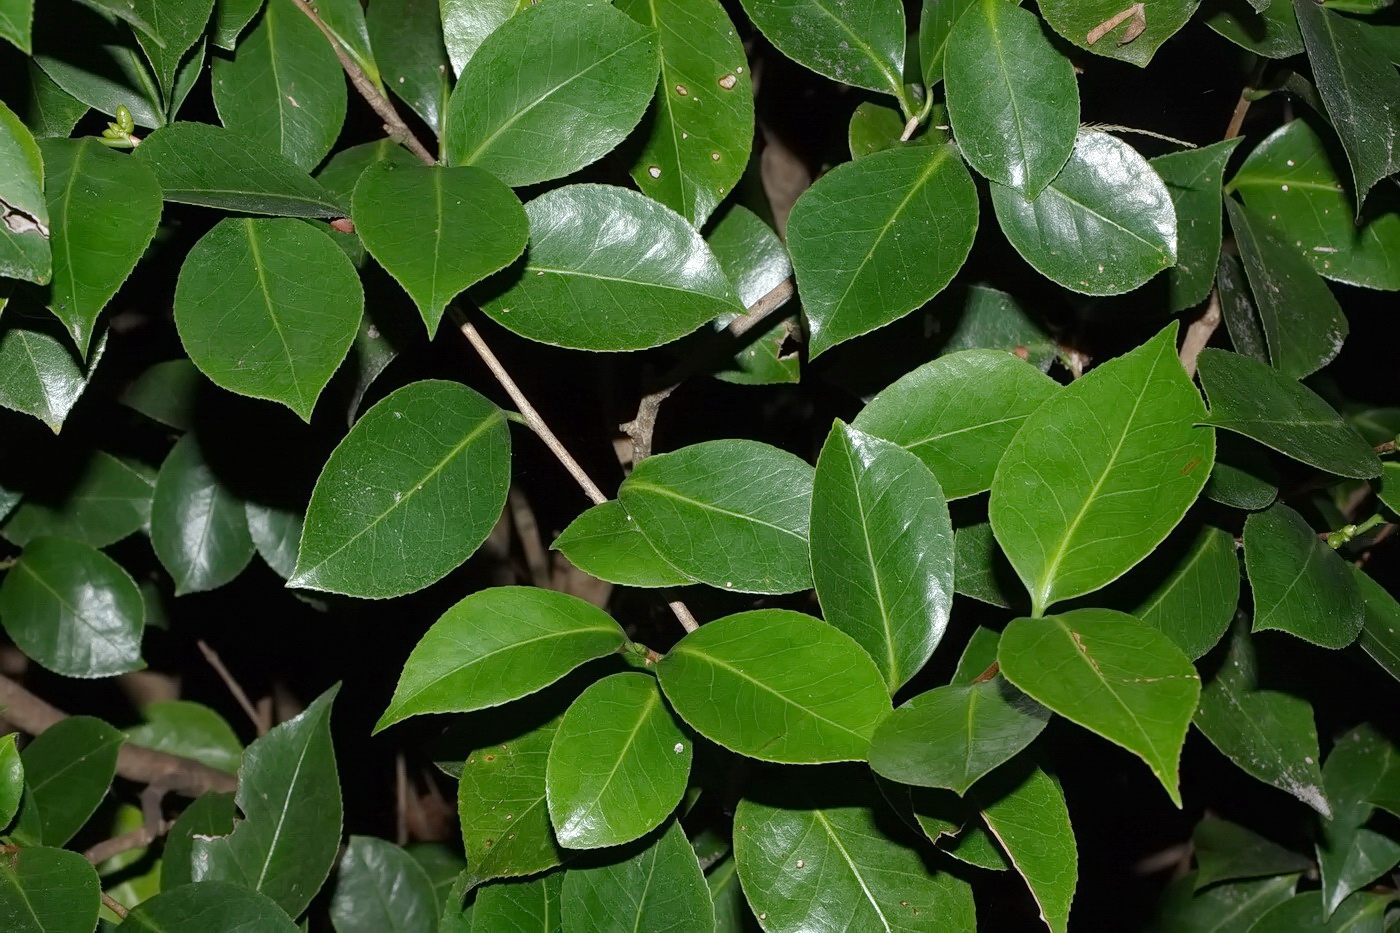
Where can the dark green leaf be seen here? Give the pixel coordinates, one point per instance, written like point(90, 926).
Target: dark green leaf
point(555, 88)
point(289, 793)
point(1105, 224)
point(1237, 308)
point(499, 645)
point(1226, 851)
point(935, 24)
point(1193, 606)
point(659, 887)
point(860, 44)
point(1252, 399)
point(214, 167)
point(980, 569)
point(73, 610)
point(198, 526)
point(755, 261)
point(209, 905)
point(874, 128)
point(524, 906)
point(1031, 822)
point(24, 235)
point(39, 374)
point(604, 541)
point(107, 501)
point(730, 513)
point(210, 815)
point(1013, 98)
point(1221, 908)
point(11, 779)
point(650, 280)
point(958, 414)
point(67, 771)
point(408, 495)
point(231, 17)
point(1073, 517)
point(283, 90)
point(1111, 674)
point(1380, 636)
point(1271, 32)
point(407, 40)
point(190, 730)
point(876, 238)
point(381, 889)
point(992, 320)
point(1362, 765)
point(618, 764)
point(346, 21)
point(438, 230)
point(52, 111)
point(1077, 19)
point(166, 393)
point(16, 20)
point(91, 58)
point(979, 654)
point(1243, 477)
point(177, 24)
point(1308, 913)
point(46, 890)
point(1193, 178)
point(467, 23)
point(822, 704)
point(1301, 586)
point(276, 534)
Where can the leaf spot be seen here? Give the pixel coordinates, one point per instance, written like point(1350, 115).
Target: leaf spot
point(682, 90)
point(728, 82)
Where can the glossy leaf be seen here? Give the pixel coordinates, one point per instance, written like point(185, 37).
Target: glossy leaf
point(206, 906)
point(53, 112)
point(24, 235)
point(381, 889)
point(1243, 476)
point(1271, 32)
point(979, 654)
point(1194, 604)
point(1270, 735)
point(67, 771)
point(16, 22)
point(1013, 99)
point(283, 89)
point(198, 526)
point(91, 58)
point(208, 816)
point(1301, 586)
point(438, 230)
point(980, 569)
point(882, 550)
point(1111, 674)
point(166, 393)
point(958, 414)
point(276, 534)
point(1359, 87)
point(73, 610)
point(1098, 475)
point(604, 541)
point(1303, 324)
point(874, 128)
point(346, 21)
point(755, 261)
point(861, 44)
point(876, 238)
point(1193, 178)
point(103, 211)
point(822, 704)
point(1237, 308)
point(289, 793)
point(467, 23)
point(952, 736)
point(407, 40)
point(730, 513)
point(698, 142)
point(11, 779)
point(499, 645)
point(178, 24)
point(1380, 635)
point(1104, 226)
point(408, 495)
point(214, 167)
point(936, 23)
point(618, 764)
point(190, 730)
point(39, 374)
point(1252, 399)
point(1077, 19)
point(48, 890)
point(1223, 908)
point(268, 307)
point(1308, 913)
point(555, 88)
point(991, 319)
point(659, 887)
point(1031, 822)
point(108, 500)
point(1361, 767)
point(520, 905)
point(1226, 851)
point(608, 269)
point(231, 17)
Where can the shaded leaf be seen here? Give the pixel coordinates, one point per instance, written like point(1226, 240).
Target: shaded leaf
point(1271, 32)
point(1362, 766)
point(991, 319)
point(1308, 913)
point(875, 128)
point(1223, 908)
point(11, 779)
point(659, 887)
point(276, 534)
point(52, 112)
point(1031, 822)
point(39, 374)
point(520, 905)
point(210, 815)
point(177, 25)
point(755, 261)
point(108, 500)
point(198, 526)
point(48, 890)
point(407, 40)
point(1226, 851)
point(1380, 635)
point(231, 17)
point(91, 58)
point(190, 730)
point(1193, 178)
point(1242, 477)
point(209, 905)
point(604, 541)
point(381, 889)
point(1301, 586)
point(980, 569)
point(1194, 604)
point(24, 234)
point(16, 22)
point(67, 771)
point(935, 25)
point(860, 44)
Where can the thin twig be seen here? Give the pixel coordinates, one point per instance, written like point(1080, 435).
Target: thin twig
point(683, 615)
point(138, 838)
point(528, 531)
point(400, 800)
point(259, 722)
point(1199, 333)
point(1246, 98)
point(114, 906)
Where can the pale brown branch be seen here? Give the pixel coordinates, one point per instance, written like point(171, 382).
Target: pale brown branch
point(528, 531)
point(260, 722)
point(1246, 98)
point(138, 838)
point(114, 906)
point(1199, 333)
point(1137, 13)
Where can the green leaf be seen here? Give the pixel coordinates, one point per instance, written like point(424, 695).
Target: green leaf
point(1073, 516)
point(438, 230)
point(91, 58)
point(214, 167)
point(16, 20)
point(283, 90)
point(935, 25)
point(175, 26)
point(730, 513)
point(1075, 19)
point(231, 17)
point(108, 500)
point(1301, 586)
point(980, 569)
point(1105, 224)
point(289, 793)
point(1031, 822)
point(1237, 308)
point(1193, 178)
point(190, 730)
point(39, 373)
point(818, 857)
point(958, 414)
point(11, 779)
point(1221, 908)
point(45, 890)
point(276, 533)
point(875, 128)
point(555, 88)
point(67, 771)
point(979, 654)
point(1269, 735)
point(1013, 99)
point(381, 889)
point(876, 238)
point(604, 541)
point(1194, 604)
point(198, 526)
point(104, 208)
point(408, 495)
point(821, 704)
point(24, 233)
point(346, 21)
point(882, 550)
point(1271, 32)
point(1243, 476)
point(659, 887)
point(209, 905)
point(1380, 636)
point(1252, 399)
point(73, 610)
point(650, 280)
point(618, 764)
point(1302, 322)
point(166, 393)
point(210, 815)
point(467, 23)
point(1111, 674)
point(1359, 87)
point(1308, 913)
point(520, 905)
point(1226, 851)
point(1361, 767)
point(952, 736)
point(992, 320)
point(52, 112)
point(860, 44)
point(698, 143)
point(407, 40)
point(499, 645)
point(1291, 178)
point(268, 308)
point(755, 260)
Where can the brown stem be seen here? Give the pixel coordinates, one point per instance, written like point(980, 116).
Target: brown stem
point(260, 722)
point(114, 906)
point(988, 674)
point(138, 838)
point(1199, 333)
point(1242, 105)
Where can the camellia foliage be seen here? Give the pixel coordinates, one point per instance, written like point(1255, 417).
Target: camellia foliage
point(1013, 443)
